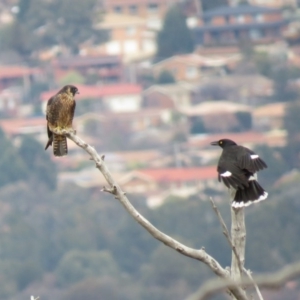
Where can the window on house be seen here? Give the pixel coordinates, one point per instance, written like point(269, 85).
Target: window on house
point(241, 19)
point(207, 20)
point(191, 72)
point(118, 9)
point(255, 34)
point(153, 8)
point(133, 9)
point(259, 18)
point(131, 30)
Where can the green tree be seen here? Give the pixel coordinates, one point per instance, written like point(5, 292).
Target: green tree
point(76, 266)
point(12, 167)
point(38, 162)
point(280, 72)
point(72, 77)
point(281, 77)
point(165, 77)
point(291, 124)
point(274, 158)
point(175, 37)
point(42, 24)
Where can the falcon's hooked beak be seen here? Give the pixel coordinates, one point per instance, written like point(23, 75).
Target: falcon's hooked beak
point(216, 143)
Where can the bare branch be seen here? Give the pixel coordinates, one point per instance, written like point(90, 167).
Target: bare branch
point(248, 273)
point(226, 232)
point(269, 281)
point(112, 190)
point(238, 238)
point(198, 254)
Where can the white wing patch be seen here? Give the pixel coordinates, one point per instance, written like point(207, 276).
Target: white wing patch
point(254, 156)
point(254, 177)
point(226, 174)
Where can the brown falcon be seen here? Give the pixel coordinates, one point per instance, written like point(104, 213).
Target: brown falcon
point(59, 116)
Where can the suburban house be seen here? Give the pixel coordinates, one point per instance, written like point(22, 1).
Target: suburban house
point(133, 121)
point(191, 67)
point(115, 98)
point(173, 96)
point(269, 117)
point(218, 116)
point(158, 184)
point(108, 68)
point(129, 37)
point(246, 89)
point(23, 126)
point(229, 25)
point(274, 3)
point(153, 11)
point(18, 76)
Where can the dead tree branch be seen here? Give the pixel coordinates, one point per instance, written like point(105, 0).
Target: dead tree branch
point(227, 235)
point(226, 232)
point(268, 281)
point(114, 188)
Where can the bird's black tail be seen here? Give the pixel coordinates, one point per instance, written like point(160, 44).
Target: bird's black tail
point(60, 147)
point(248, 195)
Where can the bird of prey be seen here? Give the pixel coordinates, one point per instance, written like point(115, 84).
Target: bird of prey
point(237, 168)
point(59, 116)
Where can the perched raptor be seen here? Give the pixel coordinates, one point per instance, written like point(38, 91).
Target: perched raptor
point(59, 116)
point(236, 168)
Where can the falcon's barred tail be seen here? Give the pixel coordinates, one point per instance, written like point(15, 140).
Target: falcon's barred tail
point(60, 147)
point(248, 195)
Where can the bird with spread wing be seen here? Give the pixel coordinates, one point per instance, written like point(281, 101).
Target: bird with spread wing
point(59, 116)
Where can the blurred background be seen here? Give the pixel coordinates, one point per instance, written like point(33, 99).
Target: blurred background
point(158, 80)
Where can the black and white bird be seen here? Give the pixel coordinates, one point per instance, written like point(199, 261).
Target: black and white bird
point(237, 168)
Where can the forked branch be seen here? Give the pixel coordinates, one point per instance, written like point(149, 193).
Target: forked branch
point(114, 188)
point(269, 281)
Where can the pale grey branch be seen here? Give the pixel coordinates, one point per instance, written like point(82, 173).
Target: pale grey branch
point(227, 235)
point(226, 232)
point(268, 281)
point(198, 254)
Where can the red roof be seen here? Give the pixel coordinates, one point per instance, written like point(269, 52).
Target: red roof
point(16, 71)
point(16, 126)
point(180, 174)
point(98, 91)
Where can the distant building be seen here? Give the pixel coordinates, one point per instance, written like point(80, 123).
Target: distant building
point(191, 67)
point(130, 36)
point(153, 11)
point(173, 96)
point(158, 184)
point(13, 75)
point(219, 116)
point(269, 117)
point(230, 25)
point(274, 3)
point(108, 68)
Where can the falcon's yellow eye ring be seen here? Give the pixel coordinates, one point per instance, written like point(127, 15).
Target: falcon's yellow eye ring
point(220, 142)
